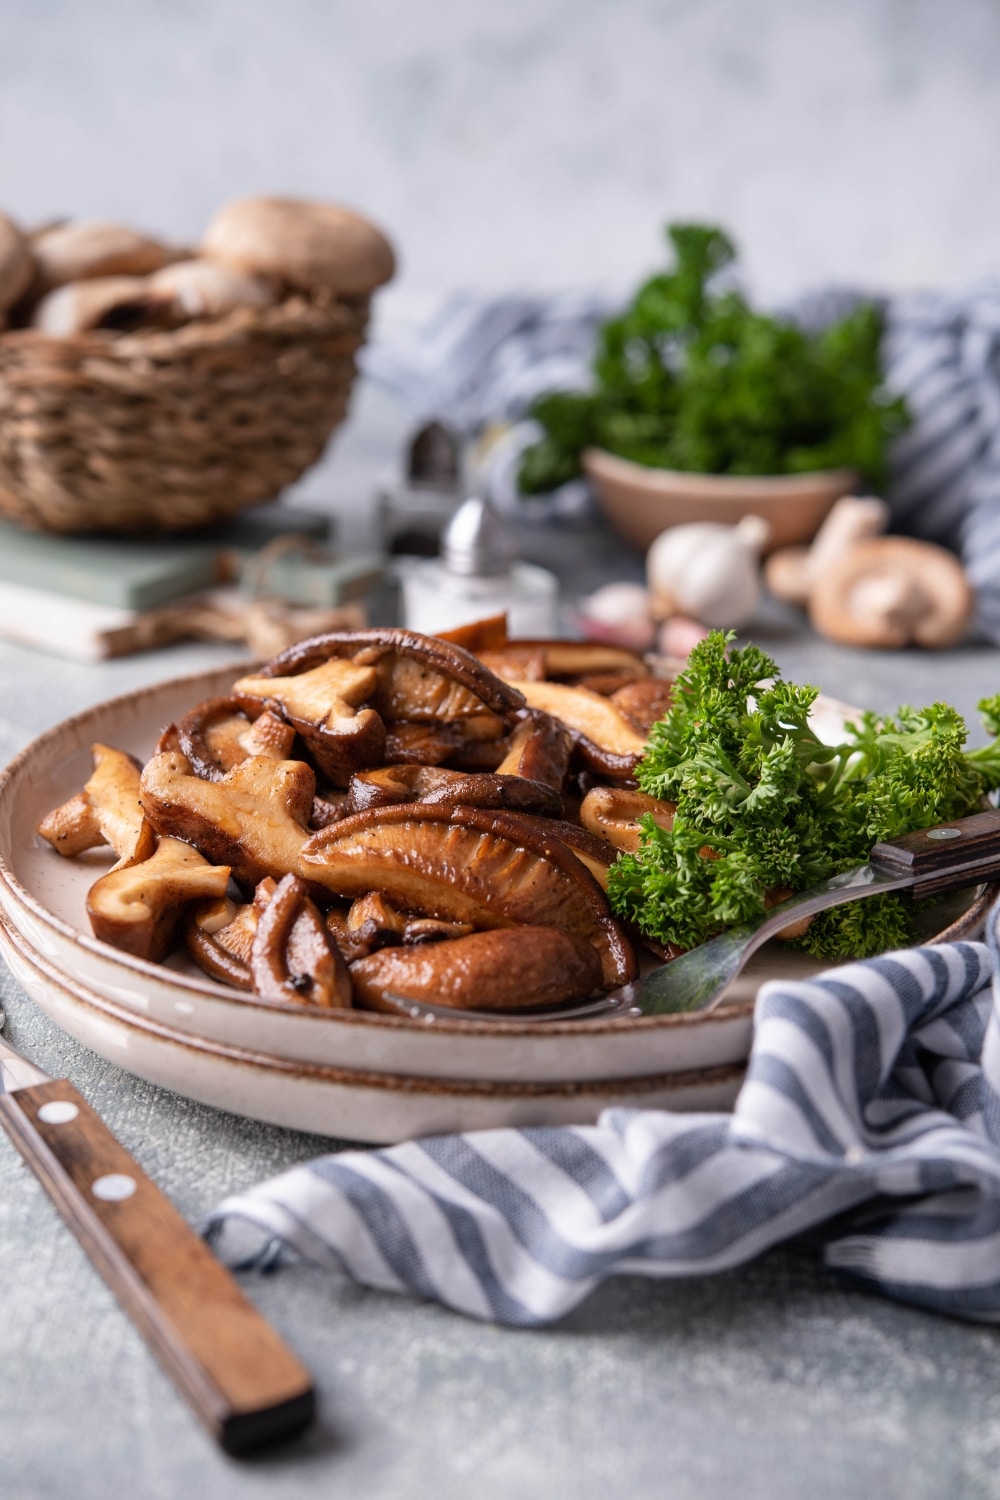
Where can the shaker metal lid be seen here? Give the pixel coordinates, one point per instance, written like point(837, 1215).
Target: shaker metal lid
point(476, 542)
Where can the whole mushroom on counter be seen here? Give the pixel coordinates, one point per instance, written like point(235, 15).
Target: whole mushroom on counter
point(864, 589)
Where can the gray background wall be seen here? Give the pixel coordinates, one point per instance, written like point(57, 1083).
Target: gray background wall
point(532, 142)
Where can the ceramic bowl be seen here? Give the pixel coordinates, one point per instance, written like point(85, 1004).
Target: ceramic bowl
point(641, 502)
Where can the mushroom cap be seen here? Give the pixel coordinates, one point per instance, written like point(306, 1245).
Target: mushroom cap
point(106, 301)
point(17, 266)
point(202, 289)
point(94, 247)
point(892, 591)
point(304, 243)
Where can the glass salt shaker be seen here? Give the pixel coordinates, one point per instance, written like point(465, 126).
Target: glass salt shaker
point(478, 574)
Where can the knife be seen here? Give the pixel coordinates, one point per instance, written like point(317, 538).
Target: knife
point(240, 1378)
point(926, 863)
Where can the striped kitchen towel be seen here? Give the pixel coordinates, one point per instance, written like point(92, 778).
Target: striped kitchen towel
point(480, 361)
point(871, 1106)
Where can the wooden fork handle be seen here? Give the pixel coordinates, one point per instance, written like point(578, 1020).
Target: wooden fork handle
point(240, 1378)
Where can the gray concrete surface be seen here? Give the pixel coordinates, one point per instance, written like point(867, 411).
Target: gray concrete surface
point(767, 1383)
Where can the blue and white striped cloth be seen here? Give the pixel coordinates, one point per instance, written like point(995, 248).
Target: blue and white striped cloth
point(871, 1106)
point(481, 361)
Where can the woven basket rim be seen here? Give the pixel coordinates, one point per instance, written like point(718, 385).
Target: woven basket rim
point(296, 313)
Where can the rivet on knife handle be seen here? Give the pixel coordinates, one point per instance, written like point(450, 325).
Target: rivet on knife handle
point(240, 1378)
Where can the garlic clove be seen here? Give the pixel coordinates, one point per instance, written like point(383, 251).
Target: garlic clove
point(620, 613)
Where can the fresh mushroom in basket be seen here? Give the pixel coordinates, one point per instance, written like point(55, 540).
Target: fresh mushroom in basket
point(306, 244)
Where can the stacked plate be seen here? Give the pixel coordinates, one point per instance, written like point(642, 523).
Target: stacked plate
point(349, 1074)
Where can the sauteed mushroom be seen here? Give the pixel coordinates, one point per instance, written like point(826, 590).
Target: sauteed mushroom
point(325, 705)
point(491, 869)
point(137, 906)
point(107, 811)
point(292, 958)
point(254, 819)
point(216, 735)
point(504, 969)
point(432, 785)
point(603, 737)
point(613, 813)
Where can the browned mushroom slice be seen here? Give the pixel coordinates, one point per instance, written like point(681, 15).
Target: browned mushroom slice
point(594, 852)
point(644, 701)
point(371, 924)
point(506, 969)
point(254, 820)
point(539, 750)
point(219, 937)
point(216, 735)
point(536, 661)
point(479, 635)
point(433, 784)
point(515, 662)
point(292, 959)
point(136, 907)
point(426, 744)
point(491, 869)
point(433, 930)
point(613, 813)
point(603, 737)
point(420, 676)
point(107, 811)
point(325, 705)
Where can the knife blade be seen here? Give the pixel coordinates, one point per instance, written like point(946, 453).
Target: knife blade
point(240, 1378)
point(927, 863)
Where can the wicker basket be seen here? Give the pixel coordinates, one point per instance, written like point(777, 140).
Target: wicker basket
point(166, 430)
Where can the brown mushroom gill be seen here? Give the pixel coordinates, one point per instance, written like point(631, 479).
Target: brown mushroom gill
point(430, 669)
point(505, 969)
point(490, 869)
point(433, 784)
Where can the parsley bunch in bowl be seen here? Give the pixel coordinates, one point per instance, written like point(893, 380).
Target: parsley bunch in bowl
point(691, 378)
point(763, 805)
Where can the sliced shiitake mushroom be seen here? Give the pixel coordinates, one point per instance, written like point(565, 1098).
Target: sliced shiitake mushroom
point(505, 969)
point(137, 906)
point(107, 811)
point(329, 706)
point(432, 785)
point(420, 677)
point(292, 958)
point(538, 749)
point(643, 702)
point(613, 813)
point(604, 739)
point(491, 869)
point(255, 819)
point(216, 735)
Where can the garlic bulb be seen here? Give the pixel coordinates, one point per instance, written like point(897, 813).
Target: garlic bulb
point(708, 571)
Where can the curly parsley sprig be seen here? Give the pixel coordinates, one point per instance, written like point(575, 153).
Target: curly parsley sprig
point(763, 804)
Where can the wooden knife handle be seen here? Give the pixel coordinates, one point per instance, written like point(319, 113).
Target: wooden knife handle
point(242, 1381)
point(946, 857)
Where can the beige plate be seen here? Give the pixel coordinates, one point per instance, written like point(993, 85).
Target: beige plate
point(42, 899)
